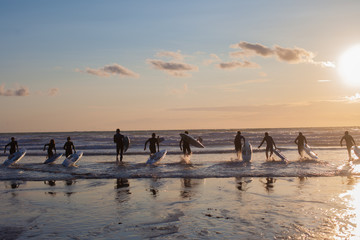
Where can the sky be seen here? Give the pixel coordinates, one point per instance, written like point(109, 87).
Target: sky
point(152, 65)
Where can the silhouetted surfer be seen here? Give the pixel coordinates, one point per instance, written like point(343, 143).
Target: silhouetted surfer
point(270, 144)
point(238, 144)
point(69, 146)
point(51, 147)
point(300, 141)
point(185, 146)
point(119, 140)
point(13, 146)
point(349, 140)
point(153, 142)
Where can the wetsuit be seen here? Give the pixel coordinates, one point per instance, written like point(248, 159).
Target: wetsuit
point(185, 147)
point(51, 147)
point(269, 144)
point(237, 142)
point(300, 141)
point(69, 146)
point(348, 140)
point(13, 146)
point(152, 146)
point(119, 140)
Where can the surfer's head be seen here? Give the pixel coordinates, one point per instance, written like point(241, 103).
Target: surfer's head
point(238, 132)
point(153, 135)
point(346, 132)
point(52, 141)
point(12, 139)
point(118, 130)
point(68, 138)
point(266, 134)
point(186, 132)
point(300, 133)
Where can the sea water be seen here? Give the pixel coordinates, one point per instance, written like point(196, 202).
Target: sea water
point(214, 196)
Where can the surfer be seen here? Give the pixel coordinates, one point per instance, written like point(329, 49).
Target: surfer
point(153, 142)
point(185, 146)
point(69, 146)
point(13, 146)
point(237, 143)
point(349, 140)
point(51, 146)
point(119, 140)
point(300, 141)
point(269, 145)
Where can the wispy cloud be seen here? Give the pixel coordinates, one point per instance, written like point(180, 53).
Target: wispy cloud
point(109, 70)
point(237, 64)
point(53, 91)
point(290, 55)
point(176, 69)
point(19, 92)
point(213, 58)
point(174, 55)
point(179, 91)
point(355, 98)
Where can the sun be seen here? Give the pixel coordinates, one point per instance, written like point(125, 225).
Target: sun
point(349, 66)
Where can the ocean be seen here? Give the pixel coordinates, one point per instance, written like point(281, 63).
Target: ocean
point(214, 196)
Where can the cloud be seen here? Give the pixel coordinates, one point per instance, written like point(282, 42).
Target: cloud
point(290, 55)
point(53, 91)
point(109, 70)
point(19, 92)
point(176, 69)
point(174, 55)
point(237, 64)
point(179, 91)
point(213, 58)
point(355, 98)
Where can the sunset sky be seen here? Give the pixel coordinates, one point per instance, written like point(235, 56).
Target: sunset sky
point(138, 65)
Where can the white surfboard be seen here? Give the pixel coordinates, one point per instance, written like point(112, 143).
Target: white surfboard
point(15, 157)
point(157, 157)
point(310, 152)
point(280, 154)
point(246, 151)
point(53, 158)
point(72, 159)
point(191, 140)
point(126, 143)
point(356, 150)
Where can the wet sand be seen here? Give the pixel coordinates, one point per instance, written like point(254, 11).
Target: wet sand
point(177, 208)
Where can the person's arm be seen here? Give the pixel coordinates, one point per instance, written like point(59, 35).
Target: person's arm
point(305, 140)
point(273, 142)
point(64, 146)
point(45, 146)
point(157, 142)
point(54, 148)
point(296, 140)
point(146, 144)
point(342, 139)
point(73, 147)
point(261, 143)
point(180, 144)
point(6, 147)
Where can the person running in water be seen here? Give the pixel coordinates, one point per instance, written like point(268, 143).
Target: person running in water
point(51, 147)
point(238, 144)
point(153, 142)
point(119, 140)
point(13, 146)
point(69, 146)
point(349, 140)
point(269, 145)
point(185, 146)
point(300, 141)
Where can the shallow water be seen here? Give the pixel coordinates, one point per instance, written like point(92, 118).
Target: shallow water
point(182, 208)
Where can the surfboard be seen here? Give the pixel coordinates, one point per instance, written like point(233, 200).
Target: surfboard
point(310, 152)
point(280, 154)
point(53, 158)
point(246, 152)
point(72, 159)
point(126, 143)
point(191, 140)
point(15, 157)
point(157, 157)
point(356, 150)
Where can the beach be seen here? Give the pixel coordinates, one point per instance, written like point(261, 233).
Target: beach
point(213, 196)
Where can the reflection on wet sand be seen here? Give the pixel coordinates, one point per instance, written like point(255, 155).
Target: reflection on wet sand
point(188, 186)
point(123, 191)
point(242, 182)
point(269, 184)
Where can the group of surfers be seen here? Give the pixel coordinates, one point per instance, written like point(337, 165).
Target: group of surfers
point(184, 145)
